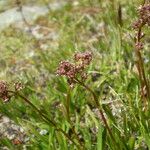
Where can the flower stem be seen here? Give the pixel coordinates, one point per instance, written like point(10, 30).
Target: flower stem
point(140, 66)
point(98, 105)
point(68, 105)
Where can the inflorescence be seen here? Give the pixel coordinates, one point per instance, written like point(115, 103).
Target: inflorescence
point(75, 70)
point(143, 20)
point(144, 17)
point(6, 92)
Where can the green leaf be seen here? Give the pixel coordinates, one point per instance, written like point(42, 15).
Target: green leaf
point(100, 138)
point(131, 142)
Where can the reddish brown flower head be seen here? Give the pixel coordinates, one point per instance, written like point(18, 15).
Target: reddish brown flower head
point(85, 57)
point(77, 70)
point(66, 69)
point(144, 16)
point(4, 91)
point(144, 13)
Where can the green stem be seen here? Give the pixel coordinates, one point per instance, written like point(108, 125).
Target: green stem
point(68, 105)
point(68, 116)
point(98, 105)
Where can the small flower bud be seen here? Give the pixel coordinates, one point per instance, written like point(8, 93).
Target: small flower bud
point(139, 45)
point(18, 86)
point(85, 57)
point(67, 69)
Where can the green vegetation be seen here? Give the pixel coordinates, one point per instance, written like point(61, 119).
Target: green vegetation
point(105, 29)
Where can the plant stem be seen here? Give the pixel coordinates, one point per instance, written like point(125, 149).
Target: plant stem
point(68, 105)
point(140, 66)
point(45, 118)
point(68, 116)
point(19, 4)
point(98, 105)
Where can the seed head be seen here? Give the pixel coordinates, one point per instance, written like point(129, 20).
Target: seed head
point(77, 69)
point(85, 58)
point(66, 69)
point(144, 13)
point(144, 16)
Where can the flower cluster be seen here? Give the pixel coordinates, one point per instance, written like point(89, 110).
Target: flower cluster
point(18, 86)
point(144, 17)
point(66, 69)
point(85, 58)
point(75, 70)
point(5, 91)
